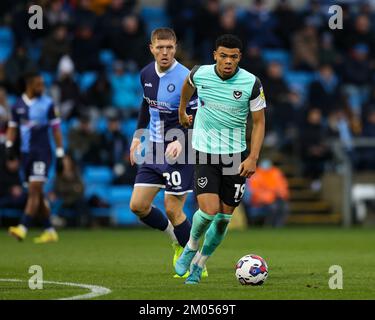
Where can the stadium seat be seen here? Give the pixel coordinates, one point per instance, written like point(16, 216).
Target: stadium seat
point(154, 17)
point(100, 190)
point(97, 175)
point(122, 215)
point(101, 125)
point(107, 57)
point(48, 78)
point(300, 81)
point(280, 56)
point(120, 194)
point(6, 43)
point(128, 128)
point(86, 79)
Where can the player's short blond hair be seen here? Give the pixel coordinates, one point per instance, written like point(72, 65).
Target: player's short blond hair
point(163, 34)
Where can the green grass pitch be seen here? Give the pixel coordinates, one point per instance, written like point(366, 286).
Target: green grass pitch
point(136, 264)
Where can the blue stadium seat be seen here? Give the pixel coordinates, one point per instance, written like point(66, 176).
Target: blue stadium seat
point(122, 215)
point(300, 81)
point(128, 128)
point(280, 56)
point(154, 17)
point(100, 190)
point(100, 212)
point(120, 194)
point(101, 125)
point(48, 78)
point(6, 43)
point(107, 57)
point(97, 175)
point(86, 79)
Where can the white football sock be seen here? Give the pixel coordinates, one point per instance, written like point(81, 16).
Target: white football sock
point(193, 244)
point(170, 232)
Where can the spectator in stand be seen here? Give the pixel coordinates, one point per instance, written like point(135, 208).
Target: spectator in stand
point(207, 20)
point(305, 48)
point(99, 94)
point(328, 54)
point(17, 65)
point(269, 194)
point(12, 195)
point(130, 43)
point(65, 90)
point(357, 73)
point(287, 21)
point(84, 143)
point(252, 61)
point(261, 25)
point(125, 90)
point(182, 14)
point(83, 15)
point(111, 21)
point(315, 14)
point(229, 24)
point(56, 45)
point(324, 92)
point(4, 114)
point(115, 152)
point(361, 33)
point(68, 192)
point(280, 110)
point(313, 147)
point(86, 47)
point(56, 14)
point(367, 154)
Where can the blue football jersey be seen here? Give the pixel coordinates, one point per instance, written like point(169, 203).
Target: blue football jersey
point(34, 117)
point(162, 93)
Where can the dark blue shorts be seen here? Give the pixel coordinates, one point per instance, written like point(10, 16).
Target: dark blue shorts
point(35, 166)
point(176, 178)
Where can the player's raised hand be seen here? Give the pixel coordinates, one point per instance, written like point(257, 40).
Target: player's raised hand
point(247, 167)
point(135, 147)
point(173, 150)
point(185, 119)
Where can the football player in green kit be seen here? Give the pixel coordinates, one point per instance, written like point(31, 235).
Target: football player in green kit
point(226, 95)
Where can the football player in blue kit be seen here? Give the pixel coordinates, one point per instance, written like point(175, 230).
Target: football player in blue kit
point(31, 116)
point(162, 82)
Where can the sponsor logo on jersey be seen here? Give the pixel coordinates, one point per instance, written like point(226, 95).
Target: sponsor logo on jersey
point(171, 87)
point(148, 84)
point(202, 182)
point(237, 94)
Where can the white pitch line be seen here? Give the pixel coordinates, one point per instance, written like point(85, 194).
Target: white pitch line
point(96, 291)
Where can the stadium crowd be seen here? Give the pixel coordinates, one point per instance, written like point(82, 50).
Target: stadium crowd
point(318, 82)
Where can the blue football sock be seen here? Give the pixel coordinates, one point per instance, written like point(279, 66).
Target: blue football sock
point(182, 232)
point(156, 219)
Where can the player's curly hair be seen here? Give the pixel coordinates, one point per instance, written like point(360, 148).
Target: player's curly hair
point(230, 41)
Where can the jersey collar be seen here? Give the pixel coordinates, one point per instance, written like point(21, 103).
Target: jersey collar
point(162, 74)
point(217, 73)
point(27, 100)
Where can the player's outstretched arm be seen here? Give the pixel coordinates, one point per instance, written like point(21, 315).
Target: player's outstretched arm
point(186, 94)
point(247, 167)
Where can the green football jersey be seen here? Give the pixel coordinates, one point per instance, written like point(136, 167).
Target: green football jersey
point(223, 108)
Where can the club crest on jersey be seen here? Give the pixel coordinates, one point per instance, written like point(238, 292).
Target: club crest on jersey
point(202, 182)
point(237, 94)
point(171, 87)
